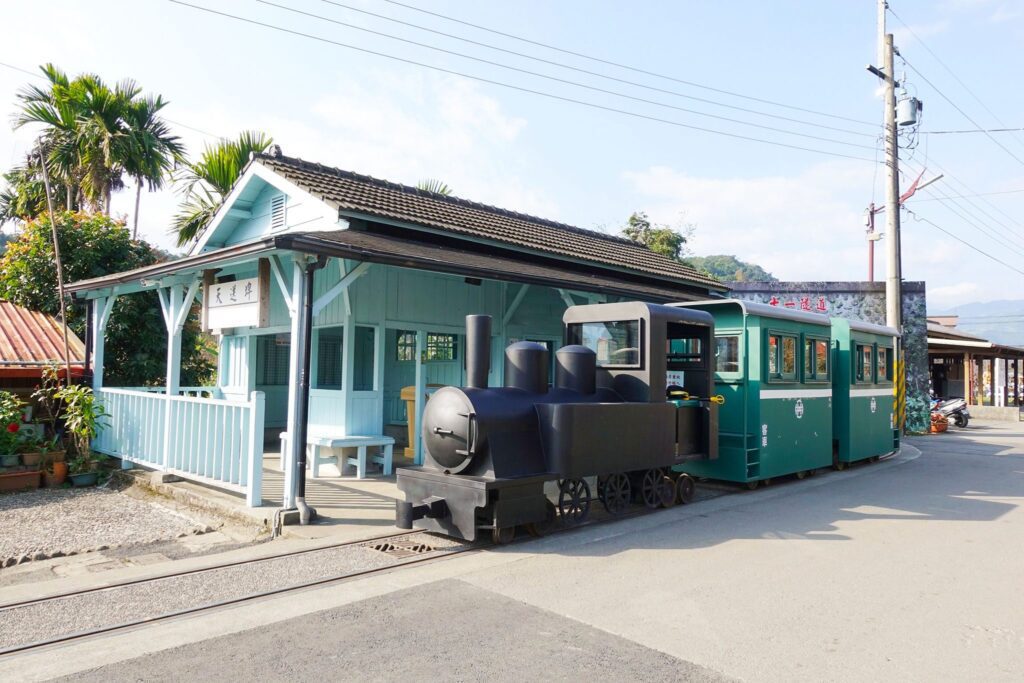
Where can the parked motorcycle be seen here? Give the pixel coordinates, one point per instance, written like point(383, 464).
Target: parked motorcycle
point(953, 409)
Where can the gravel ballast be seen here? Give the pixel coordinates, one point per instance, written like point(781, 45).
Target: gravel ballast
point(54, 522)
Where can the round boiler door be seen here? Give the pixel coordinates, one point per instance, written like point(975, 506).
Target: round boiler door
point(446, 429)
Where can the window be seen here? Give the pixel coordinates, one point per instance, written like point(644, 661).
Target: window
point(330, 341)
point(816, 354)
point(686, 350)
point(617, 344)
point(884, 364)
point(441, 346)
point(364, 371)
point(406, 345)
point(727, 354)
point(863, 360)
point(781, 357)
point(273, 353)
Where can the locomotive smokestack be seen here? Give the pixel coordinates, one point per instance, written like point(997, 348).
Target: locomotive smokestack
point(576, 369)
point(478, 350)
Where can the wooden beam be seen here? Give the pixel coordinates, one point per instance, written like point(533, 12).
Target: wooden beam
point(165, 306)
point(567, 297)
point(186, 306)
point(512, 307)
point(277, 268)
point(331, 294)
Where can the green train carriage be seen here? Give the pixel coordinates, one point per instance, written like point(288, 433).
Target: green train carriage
point(773, 367)
point(863, 423)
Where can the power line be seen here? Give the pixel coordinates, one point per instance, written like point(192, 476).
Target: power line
point(625, 66)
point(553, 96)
point(971, 130)
point(987, 230)
point(980, 194)
point(577, 69)
point(177, 123)
point(964, 242)
point(564, 81)
point(962, 112)
point(949, 71)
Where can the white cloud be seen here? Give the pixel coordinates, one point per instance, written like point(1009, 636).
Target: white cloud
point(947, 296)
point(802, 227)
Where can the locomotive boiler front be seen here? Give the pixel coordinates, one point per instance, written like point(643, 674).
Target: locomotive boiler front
point(487, 432)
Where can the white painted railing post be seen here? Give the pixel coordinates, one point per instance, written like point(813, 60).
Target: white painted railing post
point(254, 494)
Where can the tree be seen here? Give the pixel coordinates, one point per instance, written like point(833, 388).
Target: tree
point(728, 268)
point(208, 181)
point(93, 246)
point(661, 239)
point(24, 195)
point(153, 149)
point(93, 134)
point(434, 186)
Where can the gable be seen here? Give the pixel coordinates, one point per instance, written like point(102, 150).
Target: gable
point(263, 204)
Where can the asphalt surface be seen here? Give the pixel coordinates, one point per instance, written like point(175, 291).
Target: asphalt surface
point(447, 630)
point(904, 570)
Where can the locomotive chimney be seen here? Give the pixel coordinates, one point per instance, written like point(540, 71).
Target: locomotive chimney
point(576, 369)
point(526, 367)
point(478, 350)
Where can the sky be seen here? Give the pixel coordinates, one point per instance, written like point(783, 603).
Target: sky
point(799, 213)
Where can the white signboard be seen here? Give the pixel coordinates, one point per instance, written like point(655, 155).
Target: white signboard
point(240, 303)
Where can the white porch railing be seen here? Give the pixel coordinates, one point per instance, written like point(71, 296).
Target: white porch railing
point(208, 440)
point(196, 392)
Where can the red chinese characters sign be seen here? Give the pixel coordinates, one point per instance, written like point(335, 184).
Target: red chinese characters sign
point(803, 302)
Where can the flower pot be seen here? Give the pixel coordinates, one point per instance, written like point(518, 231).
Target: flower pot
point(11, 460)
point(33, 460)
point(56, 475)
point(55, 456)
point(19, 481)
point(84, 478)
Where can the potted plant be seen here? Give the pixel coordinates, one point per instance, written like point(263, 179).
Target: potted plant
point(82, 420)
point(31, 450)
point(55, 473)
point(10, 424)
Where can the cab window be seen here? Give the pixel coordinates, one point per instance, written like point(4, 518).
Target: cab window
point(727, 354)
point(616, 343)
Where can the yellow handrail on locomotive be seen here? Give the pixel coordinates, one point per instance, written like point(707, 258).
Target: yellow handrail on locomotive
point(685, 396)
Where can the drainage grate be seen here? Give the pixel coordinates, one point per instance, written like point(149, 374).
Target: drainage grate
point(399, 549)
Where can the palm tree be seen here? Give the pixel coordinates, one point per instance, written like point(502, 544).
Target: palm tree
point(208, 181)
point(24, 196)
point(154, 150)
point(434, 186)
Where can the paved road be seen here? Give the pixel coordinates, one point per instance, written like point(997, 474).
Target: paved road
point(904, 570)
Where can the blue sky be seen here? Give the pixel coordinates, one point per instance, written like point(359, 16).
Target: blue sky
point(797, 213)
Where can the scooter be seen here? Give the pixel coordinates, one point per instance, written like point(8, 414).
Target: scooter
point(953, 409)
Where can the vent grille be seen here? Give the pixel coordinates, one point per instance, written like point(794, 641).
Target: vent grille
point(399, 549)
point(277, 212)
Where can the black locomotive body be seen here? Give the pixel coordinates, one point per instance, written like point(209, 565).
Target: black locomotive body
point(631, 398)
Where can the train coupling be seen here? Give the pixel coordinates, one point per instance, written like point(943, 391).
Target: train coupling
point(406, 513)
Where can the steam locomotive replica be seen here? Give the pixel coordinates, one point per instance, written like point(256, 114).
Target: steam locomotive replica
point(630, 403)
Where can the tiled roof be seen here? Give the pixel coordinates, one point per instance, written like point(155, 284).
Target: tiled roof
point(30, 338)
point(359, 194)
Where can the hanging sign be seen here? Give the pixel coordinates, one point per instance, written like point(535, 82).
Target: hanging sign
point(238, 303)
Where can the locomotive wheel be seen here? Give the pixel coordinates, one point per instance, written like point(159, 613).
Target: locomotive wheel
point(685, 488)
point(602, 484)
point(657, 490)
point(503, 535)
point(574, 500)
point(538, 529)
point(615, 493)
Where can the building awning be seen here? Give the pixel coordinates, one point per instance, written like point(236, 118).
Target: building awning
point(478, 261)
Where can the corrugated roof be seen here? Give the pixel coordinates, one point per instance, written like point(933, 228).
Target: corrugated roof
point(29, 339)
point(362, 195)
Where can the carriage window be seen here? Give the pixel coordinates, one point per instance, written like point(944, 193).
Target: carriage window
point(863, 361)
point(727, 354)
point(815, 360)
point(884, 364)
point(773, 356)
point(617, 344)
point(788, 357)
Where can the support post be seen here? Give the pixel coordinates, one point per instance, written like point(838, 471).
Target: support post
point(294, 363)
point(894, 274)
point(421, 388)
point(968, 377)
point(254, 495)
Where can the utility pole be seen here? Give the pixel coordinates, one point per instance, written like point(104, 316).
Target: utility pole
point(894, 275)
